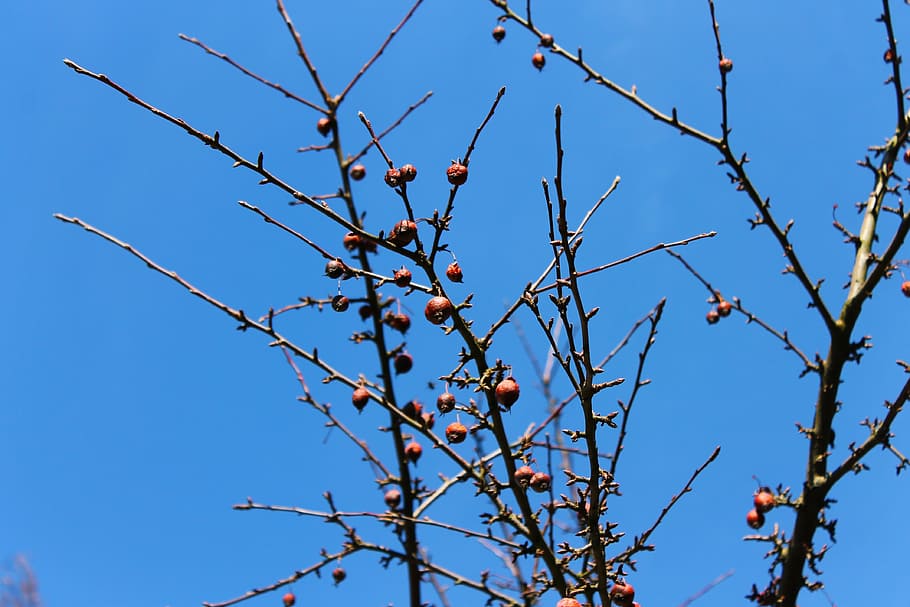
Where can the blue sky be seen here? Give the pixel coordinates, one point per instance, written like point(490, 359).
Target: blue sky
point(132, 416)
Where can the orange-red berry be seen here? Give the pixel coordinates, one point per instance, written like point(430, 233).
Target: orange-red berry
point(763, 500)
point(358, 172)
point(445, 402)
point(403, 363)
point(568, 602)
point(724, 308)
point(351, 241)
point(399, 322)
point(453, 272)
point(324, 126)
point(392, 498)
point(407, 172)
point(289, 599)
point(457, 173)
point(438, 310)
point(402, 233)
point(392, 178)
point(499, 33)
point(507, 392)
point(755, 519)
point(725, 65)
point(334, 268)
point(360, 397)
point(523, 475)
point(540, 482)
point(888, 57)
point(402, 277)
point(413, 451)
point(338, 574)
point(538, 60)
point(905, 288)
point(546, 41)
point(622, 594)
point(712, 316)
point(340, 303)
point(456, 432)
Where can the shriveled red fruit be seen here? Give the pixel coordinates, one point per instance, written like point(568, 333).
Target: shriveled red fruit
point(392, 178)
point(289, 599)
point(334, 268)
point(445, 402)
point(755, 519)
point(412, 409)
point(907, 156)
point(888, 57)
point(540, 482)
point(712, 316)
point(456, 432)
point(507, 392)
point(407, 172)
point(402, 233)
point(568, 602)
point(546, 41)
point(457, 173)
point(399, 322)
point(392, 498)
point(403, 363)
point(905, 288)
point(358, 172)
point(724, 308)
point(429, 419)
point(538, 60)
point(413, 451)
point(402, 277)
point(622, 594)
point(763, 500)
point(340, 303)
point(725, 65)
point(438, 310)
point(338, 574)
point(499, 33)
point(523, 475)
point(351, 241)
point(365, 311)
point(324, 126)
point(453, 272)
point(360, 397)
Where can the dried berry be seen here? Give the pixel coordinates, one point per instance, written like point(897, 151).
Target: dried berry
point(402, 233)
point(429, 419)
point(402, 277)
point(546, 41)
point(453, 272)
point(763, 500)
point(622, 594)
point(392, 178)
point(289, 599)
point(568, 602)
point(392, 498)
point(724, 308)
point(358, 172)
point(524, 475)
point(403, 363)
point(351, 241)
point(407, 173)
point(499, 33)
point(888, 57)
point(412, 409)
point(507, 392)
point(540, 482)
point(726, 65)
point(365, 311)
point(456, 432)
point(324, 126)
point(360, 397)
point(340, 303)
point(413, 451)
point(438, 310)
point(334, 268)
point(905, 288)
point(712, 316)
point(538, 60)
point(457, 173)
point(755, 519)
point(399, 322)
point(338, 574)
point(445, 402)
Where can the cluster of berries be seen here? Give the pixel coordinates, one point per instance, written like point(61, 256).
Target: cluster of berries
point(621, 595)
point(764, 501)
point(721, 310)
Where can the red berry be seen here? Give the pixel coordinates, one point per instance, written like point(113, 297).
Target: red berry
point(568, 602)
point(445, 402)
point(905, 288)
point(457, 174)
point(351, 241)
point(622, 594)
point(507, 392)
point(407, 172)
point(324, 126)
point(726, 65)
point(402, 277)
point(763, 500)
point(402, 233)
point(712, 316)
point(524, 475)
point(403, 363)
point(413, 451)
point(499, 33)
point(888, 57)
point(538, 60)
point(289, 599)
point(338, 574)
point(399, 322)
point(755, 519)
point(429, 419)
point(456, 432)
point(393, 177)
point(334, 268)
point(540, 482)
point(453, 272)
point(365, 311)
point(438, 310)
point(392, 498)
point(412, 409)
point(340, 303)
point(360, 398)
point(907, 156)
point(546, 41)
point(724, 308)
point(358, 172)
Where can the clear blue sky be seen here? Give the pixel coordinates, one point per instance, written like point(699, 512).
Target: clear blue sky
point(132, 416)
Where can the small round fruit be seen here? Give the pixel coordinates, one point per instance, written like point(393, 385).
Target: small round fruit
point(725, 65)
point(457, 173)
point(540, 482)
point(360, 397)
point(351, 241)
point(392, 498)
point(453, 272)
point(338, 574)
point(499, 33)
point(408, 172)
point(438, 310)
point(907, 156)
point(402, 233)
point(399, 322)
point(365, 311)
point(412, 409)
point(538, 60)
point(763, 500)
point(888, 57)
point(712, 316)
point(340, 303)
point(507, 392)
point(456, 432)
point(402, 277)
point(403, 363)
point(546, 41)
point(358, 172)
point(724, 308)
point(392, 178)
point(568, 602)
point(523, 475)
point(334, 268)
point(445, 402)
point(905, 288)
point(289, 599)
point(413, 451)
point(622, 594)
point(429, 419)
point(324, 126)
point(755, 519)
